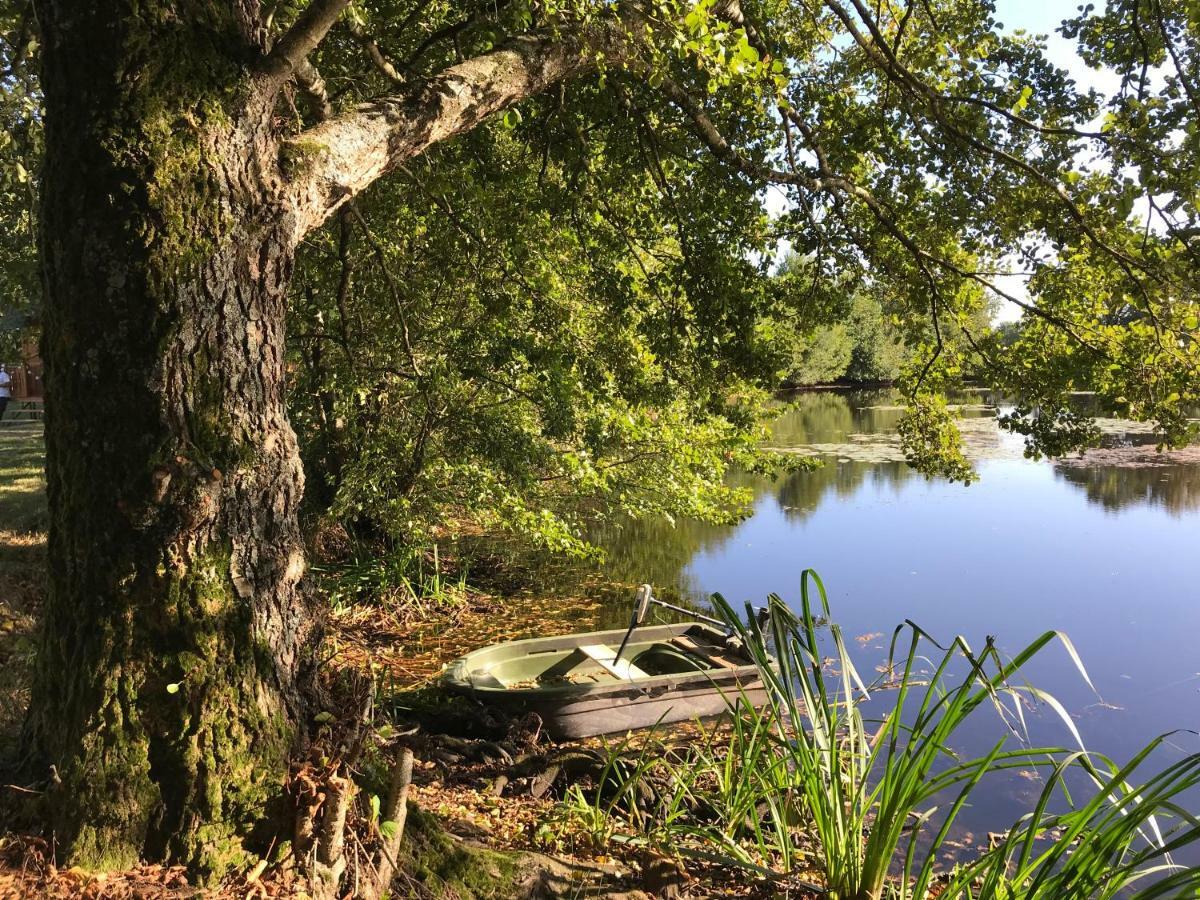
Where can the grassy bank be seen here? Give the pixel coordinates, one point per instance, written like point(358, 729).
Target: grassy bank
point(22, 477)
point(22, 560)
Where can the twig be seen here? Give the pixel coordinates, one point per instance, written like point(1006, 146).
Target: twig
point(395, 810)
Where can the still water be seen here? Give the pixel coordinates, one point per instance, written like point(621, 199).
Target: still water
point(1106, 551)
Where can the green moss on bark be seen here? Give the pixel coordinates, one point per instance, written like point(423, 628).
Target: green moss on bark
point(450, 868)
point(218, 754)
point(167, 693)
point(183, 760)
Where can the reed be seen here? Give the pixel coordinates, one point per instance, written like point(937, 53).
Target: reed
point(810, 783)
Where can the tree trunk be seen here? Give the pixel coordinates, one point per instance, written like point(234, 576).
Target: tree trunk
point(171, 683)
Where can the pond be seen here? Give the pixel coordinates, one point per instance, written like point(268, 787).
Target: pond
point(1105, 549)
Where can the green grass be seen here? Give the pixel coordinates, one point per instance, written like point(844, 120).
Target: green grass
point(22, 565)
point(22, 478)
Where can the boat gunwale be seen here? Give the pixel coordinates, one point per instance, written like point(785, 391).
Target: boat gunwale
point(457, 674)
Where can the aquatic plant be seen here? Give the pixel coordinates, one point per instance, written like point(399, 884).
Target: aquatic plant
point(809, 783)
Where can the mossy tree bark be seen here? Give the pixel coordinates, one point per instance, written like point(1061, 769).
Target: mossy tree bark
point(172, 681)
point(169, 691)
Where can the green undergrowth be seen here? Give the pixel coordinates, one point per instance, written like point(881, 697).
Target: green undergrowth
point(410, 580)
point(858, 787)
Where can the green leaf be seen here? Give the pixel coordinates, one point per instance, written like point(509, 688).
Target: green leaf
point(748, 53)
point(1023, 99)
point(173, 687)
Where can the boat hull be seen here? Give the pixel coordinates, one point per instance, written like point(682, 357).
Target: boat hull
point(574, 711)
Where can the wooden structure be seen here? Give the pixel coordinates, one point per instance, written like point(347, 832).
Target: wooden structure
point(26, 386)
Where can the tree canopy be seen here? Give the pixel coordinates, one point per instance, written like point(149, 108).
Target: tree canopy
point(524, 255)
point(921, 151)
point(594, 268)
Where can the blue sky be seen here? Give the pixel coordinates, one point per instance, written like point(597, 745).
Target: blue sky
point(1043, 17)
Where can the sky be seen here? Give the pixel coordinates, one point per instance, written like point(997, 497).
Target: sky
point(1043, 17)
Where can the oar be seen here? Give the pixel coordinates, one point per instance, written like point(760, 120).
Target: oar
point(641, 603)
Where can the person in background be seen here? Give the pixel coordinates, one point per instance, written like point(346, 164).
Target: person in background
point(5, 389)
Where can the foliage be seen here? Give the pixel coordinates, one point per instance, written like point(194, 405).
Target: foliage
point(878, 349)
point(876, 799)
point(1104, 849)
point(823, 357)
point(406, 580)
point(20, 160)
point(932, 442)
point(456, 368)
point(861, 347)
point(452, 366)
point(523, 379)
point(1117, 309)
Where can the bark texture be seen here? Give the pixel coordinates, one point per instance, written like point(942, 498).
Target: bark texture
point(175, 661)
point(169, 690)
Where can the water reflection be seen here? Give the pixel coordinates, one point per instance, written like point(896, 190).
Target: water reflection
point(800, 493)
point(835, 416)
point(656, 551)
point(855, 432)
point(1101, 548)
point(1175, 488)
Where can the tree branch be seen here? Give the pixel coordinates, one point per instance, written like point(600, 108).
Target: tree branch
point(827, 182)
point(312, 85)
point(334, 160)
point(378, 58)
point(302, 38)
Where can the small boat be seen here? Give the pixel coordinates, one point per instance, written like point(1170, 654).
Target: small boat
point(581, 686)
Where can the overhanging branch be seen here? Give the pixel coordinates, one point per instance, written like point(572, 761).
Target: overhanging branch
point(336, 159)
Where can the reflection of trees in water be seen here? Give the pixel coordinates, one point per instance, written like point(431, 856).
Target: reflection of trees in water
point(800, 493)
point(832, 416)
point(654, 551)
point(1175, 488)
point(829, 417)
point(659, 552)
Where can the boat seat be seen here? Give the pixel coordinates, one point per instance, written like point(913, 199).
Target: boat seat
point(606, 658)
point(686, 643)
